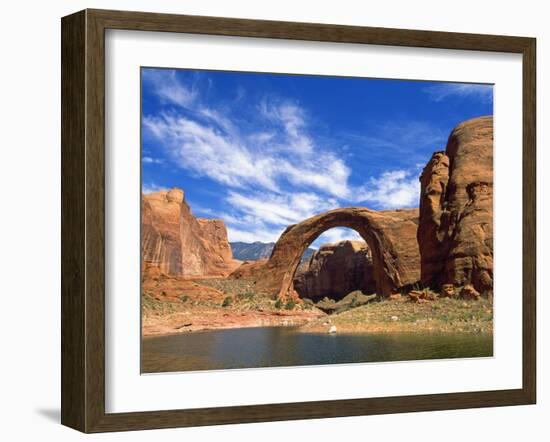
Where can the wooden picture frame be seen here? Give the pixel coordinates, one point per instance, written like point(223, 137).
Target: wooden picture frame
point(83, 220)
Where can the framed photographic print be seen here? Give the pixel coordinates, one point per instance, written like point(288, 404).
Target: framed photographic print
point(269, 220)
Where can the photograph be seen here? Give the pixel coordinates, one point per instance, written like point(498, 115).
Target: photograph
point(296, 220)
point(249, 221)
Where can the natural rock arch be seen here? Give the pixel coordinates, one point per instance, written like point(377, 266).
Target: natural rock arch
point(391, 236)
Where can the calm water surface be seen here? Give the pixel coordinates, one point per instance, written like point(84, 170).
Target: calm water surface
point(283, 346)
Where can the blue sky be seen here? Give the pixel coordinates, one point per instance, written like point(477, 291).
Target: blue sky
point(263, 151)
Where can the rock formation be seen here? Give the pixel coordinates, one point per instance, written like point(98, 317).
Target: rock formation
point(390, 235)
point(455, 234)
point(176, 243)
point(250, 269)
point(336, 270)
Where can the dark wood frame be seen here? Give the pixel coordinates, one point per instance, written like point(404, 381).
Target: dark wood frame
point(83, 220)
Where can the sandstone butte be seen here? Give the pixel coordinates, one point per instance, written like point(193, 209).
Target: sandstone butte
point(455, 234)
point(336, 270)
point(174, 242)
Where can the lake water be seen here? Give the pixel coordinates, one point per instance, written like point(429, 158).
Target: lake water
point(284, 346)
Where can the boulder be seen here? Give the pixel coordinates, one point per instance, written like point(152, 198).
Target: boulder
point(249, 269)
point(455, 233)
point(420, 296)
point(336, 270)
point(469, 292)
point(448, 291)
point(348, 302)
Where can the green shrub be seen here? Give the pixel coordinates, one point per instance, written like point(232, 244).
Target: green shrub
point(227, 301)
point(246, 296)
point(183, 298)
point(290, 304)
point(278, 303)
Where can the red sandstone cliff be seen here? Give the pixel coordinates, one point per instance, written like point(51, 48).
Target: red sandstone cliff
point(336, 270)
point(455, 234)
point(174, 242)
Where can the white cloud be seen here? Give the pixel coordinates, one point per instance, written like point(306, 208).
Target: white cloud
point(216, 149)
point(392, 190)
point(404, 137)
point(208, 152)
point(218, 118)
point(291, 118)
point(151, 160)
point(336, 235)
point(327, 173)
point(151, 188)
point(252, 235)
point(276, 209)
point(168, 88)
point(199, 210)
point(440, 92)
point(266, 215)
point(273, 172)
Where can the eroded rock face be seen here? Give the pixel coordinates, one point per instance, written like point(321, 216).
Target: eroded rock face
point(455, 233)
point(335, 270)
point(390, 235)
point(176, 243)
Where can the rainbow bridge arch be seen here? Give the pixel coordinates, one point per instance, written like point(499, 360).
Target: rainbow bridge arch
point(391, 236)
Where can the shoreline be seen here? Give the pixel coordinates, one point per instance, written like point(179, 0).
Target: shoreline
point(318, 331)
point(203, 320)
point(440, 316)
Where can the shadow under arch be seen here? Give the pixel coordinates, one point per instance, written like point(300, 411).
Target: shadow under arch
point(390, 235)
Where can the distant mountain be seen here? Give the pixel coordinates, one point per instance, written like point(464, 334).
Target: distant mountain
point(251, 251)
point(245, 251)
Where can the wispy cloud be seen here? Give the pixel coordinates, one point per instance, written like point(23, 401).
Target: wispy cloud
point(168, 88)
point(252, 234)
point(403, 137)
point(267, 214)
point(200, 211)
point(206, 151)
point(273, 168)
point(150, 160)
point(393, 189)
point(443, 91)
point(335, 235)
point(151, 188)
point(282, 210)
point(215, 147)
point(291, 117)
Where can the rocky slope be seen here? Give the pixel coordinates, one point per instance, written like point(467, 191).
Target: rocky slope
point(174, 242)
point(336, 270)
point(455, 234)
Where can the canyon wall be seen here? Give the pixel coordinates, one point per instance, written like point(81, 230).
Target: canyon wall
point(174, 242)
point(336, 270)
point(455, 233)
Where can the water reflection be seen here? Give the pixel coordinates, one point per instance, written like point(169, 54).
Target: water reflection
point(283, 346)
